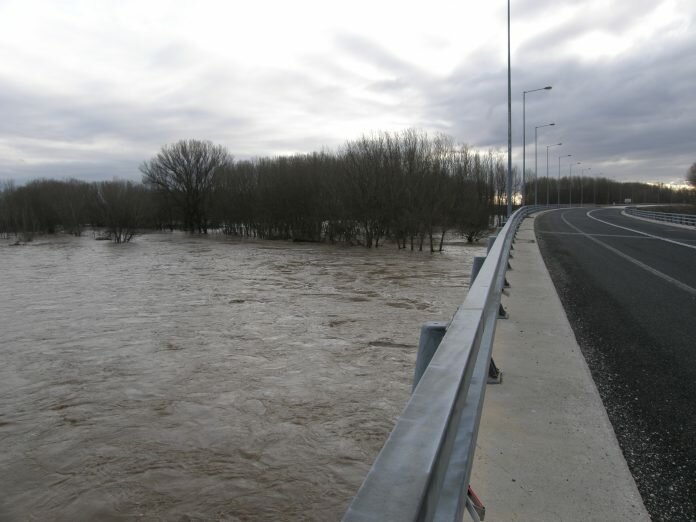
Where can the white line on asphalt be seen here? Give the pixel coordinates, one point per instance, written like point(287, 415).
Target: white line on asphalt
point(589, 215)
point(622, 236)
point(640, 264)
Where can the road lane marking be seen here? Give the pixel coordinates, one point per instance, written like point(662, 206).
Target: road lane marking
point(640, 264)
point(556, 233)
point(589, 215)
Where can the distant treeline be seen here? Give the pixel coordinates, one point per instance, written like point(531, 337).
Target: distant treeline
point(407, 187)
point(602, 191)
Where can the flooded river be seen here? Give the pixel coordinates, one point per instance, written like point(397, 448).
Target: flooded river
point(189, 378)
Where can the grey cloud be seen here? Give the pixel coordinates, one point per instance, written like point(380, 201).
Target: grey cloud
point(95, 170)
point(34, 122)
point(371, 52)
point(638, 107)
point(615, 19)
point(391, 86)
point(613, 14)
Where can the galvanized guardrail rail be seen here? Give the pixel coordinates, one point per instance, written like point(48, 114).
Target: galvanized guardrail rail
point(681, 219)
point(423, 469)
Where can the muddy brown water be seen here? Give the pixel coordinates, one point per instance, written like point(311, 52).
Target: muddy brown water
point(189, 378)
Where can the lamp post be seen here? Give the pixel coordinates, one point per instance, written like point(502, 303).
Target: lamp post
point(559, 176)
point(509, 172)
point(570, 182)
point(582, 179)
point(547, 169)
point(536, 177)
point(524, 136)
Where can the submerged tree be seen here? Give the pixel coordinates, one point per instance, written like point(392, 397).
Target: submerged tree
point(185, 171)
point(122, 206)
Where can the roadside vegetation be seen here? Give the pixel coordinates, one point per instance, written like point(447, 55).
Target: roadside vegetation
point(691, 175)
point(603, 191)
point(406, 188)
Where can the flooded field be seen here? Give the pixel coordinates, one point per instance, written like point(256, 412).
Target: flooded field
point(187, 378)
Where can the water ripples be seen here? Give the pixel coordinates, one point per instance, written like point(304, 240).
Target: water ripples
point(181, 377)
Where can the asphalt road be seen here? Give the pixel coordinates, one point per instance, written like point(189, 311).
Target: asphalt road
point(629, 289)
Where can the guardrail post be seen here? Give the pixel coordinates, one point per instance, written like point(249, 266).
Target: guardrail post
point(476, 268)
point(489, 244)
point(431, 334)
point(495, 376)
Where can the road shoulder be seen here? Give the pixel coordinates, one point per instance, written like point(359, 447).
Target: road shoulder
point(546, 449)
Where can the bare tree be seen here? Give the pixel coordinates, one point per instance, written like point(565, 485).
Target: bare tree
point(122, 207)
point(185, 171)
point(691, 175)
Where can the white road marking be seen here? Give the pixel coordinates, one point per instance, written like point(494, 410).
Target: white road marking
point(640, 264)
point(589, 215)
point(622, 236)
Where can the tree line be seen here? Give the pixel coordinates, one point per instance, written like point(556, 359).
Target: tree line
point(47, 206)
point(408, 187)
point(600, 190)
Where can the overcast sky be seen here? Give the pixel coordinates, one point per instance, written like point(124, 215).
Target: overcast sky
point(90, 89)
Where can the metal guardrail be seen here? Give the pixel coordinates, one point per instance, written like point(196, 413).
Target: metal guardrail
point(422, 472)
point(681, 219)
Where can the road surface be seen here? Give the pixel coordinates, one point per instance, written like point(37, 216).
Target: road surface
point(629, 289)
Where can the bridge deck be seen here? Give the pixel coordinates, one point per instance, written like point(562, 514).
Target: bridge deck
point(546, 449)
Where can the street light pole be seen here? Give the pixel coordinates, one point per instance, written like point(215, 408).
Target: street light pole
point(536, 176)
point(547, 170)
point(524, 138)
point(559, 176)
point(509, 172)
point(570, 182)
point(582, 179)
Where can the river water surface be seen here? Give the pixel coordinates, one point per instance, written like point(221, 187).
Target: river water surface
point(189, 378)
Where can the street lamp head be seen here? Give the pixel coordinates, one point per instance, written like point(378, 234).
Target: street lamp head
point(557, 144)
point(552, 124)
point(547, 88)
